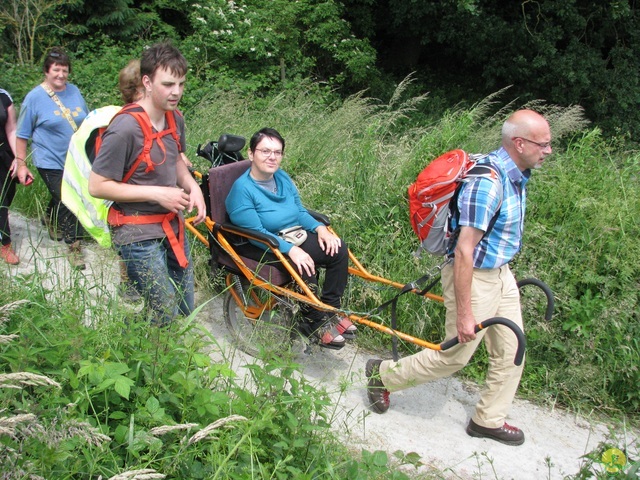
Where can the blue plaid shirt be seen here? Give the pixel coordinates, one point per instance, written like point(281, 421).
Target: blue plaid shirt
point(479, 200)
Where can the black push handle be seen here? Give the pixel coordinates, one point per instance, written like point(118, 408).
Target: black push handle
point(547, 291)
point(496, 321)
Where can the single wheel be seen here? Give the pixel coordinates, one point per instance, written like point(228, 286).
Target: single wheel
point(259, 324)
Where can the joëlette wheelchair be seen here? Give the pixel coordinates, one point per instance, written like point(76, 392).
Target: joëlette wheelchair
point(261, 300)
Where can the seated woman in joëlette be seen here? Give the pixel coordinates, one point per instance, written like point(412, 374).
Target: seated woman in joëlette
point(266, 200)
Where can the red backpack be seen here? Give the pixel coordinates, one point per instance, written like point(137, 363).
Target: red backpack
point(433, 196)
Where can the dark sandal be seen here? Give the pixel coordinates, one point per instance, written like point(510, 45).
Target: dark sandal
point(330, 338)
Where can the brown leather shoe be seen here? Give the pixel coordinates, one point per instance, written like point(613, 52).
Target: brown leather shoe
point(378, 395)
point(505, 434)
point(75, 256)
point(8, 255)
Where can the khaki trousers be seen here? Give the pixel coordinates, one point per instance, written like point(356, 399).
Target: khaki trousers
point(494, 293)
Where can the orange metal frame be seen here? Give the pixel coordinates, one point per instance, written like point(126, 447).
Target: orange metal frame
point(254, 312)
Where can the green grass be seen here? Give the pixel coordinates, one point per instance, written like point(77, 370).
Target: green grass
point(81, 400)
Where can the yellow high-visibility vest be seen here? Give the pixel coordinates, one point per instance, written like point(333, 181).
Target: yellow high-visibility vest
point(91, 212)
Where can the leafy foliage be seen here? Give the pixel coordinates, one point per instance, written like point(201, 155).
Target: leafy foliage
point(131, 396)
point(116, 19)
point(568, 53)
point(260, 43)
point(573, 52)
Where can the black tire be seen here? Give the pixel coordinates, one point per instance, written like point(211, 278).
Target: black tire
point(268, 335)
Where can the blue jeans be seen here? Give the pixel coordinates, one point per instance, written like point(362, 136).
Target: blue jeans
point(167, 288)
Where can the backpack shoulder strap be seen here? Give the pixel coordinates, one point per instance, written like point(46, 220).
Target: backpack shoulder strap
point(98, 141)
point(487, 170)
point(137, 112)
point(171, 122)
point(495, 176)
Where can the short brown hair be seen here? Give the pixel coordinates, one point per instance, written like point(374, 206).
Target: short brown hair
point(271, 133)
point(56, 55)
point(164, 56)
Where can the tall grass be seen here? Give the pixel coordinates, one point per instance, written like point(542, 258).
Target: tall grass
point(354, 161)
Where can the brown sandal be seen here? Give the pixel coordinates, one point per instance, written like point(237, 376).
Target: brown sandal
point(327, 335)
point(346, 328)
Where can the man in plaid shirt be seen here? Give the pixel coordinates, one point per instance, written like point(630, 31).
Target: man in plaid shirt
point(478, 284)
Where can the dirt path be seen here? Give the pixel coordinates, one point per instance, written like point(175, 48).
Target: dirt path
point(429, 419)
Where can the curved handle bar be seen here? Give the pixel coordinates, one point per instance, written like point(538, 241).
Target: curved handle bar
point(496, 321)
point(547, 291)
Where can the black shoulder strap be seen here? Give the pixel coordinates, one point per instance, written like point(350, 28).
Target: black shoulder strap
point(483, 169)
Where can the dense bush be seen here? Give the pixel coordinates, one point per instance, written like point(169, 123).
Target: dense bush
point(575, 52)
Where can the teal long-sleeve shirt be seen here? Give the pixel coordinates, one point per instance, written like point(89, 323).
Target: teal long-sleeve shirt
point(251, 206)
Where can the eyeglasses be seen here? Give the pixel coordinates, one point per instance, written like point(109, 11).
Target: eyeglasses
point(543, 146)
point(267, 153)
point(55, 55)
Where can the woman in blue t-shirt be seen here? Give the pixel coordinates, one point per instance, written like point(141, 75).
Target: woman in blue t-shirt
point(49, 115)
point(265, 199)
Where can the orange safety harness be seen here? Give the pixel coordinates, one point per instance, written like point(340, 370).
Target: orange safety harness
point(115, 217)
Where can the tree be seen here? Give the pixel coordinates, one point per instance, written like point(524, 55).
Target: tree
point(271, 41)
point(571, 52)
point(127, 20)
point(27, 19)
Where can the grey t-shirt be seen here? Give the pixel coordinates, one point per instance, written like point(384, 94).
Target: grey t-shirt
point(121, 145)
